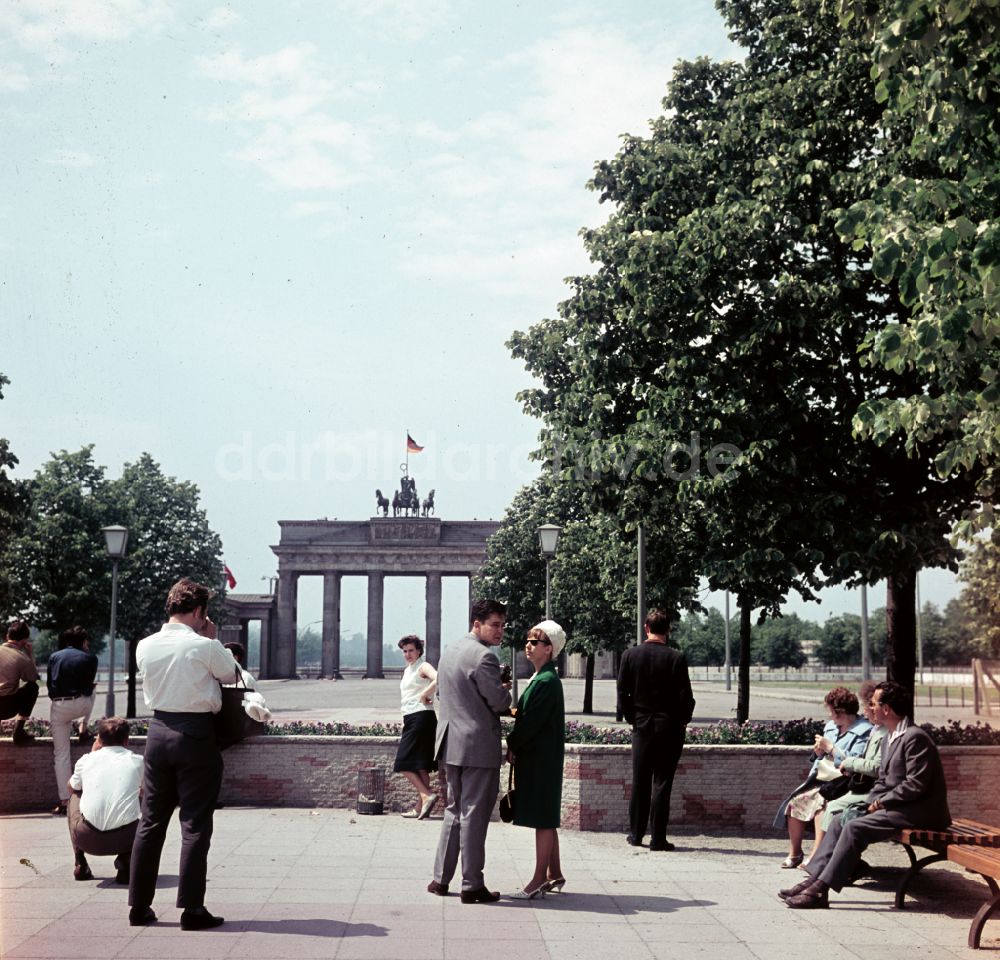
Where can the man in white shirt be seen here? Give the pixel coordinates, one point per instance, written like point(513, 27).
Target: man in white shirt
point(181, 669)
point(103, 808)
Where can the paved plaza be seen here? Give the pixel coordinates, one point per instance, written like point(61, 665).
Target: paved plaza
point(298, 884)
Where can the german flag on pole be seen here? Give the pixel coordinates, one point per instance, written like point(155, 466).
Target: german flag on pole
point(412, 446)
point(230, 579)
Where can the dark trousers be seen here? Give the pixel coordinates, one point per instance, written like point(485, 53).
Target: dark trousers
point(99, 843)
point(19, 704)
point(656, 748)
point(844, 843)
point(182, 769)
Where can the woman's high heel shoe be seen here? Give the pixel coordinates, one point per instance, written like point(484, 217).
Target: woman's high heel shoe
point(790, 862)
point(556, 883)
point(539, 891)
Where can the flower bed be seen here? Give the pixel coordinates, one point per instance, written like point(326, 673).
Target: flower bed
point(789, 733)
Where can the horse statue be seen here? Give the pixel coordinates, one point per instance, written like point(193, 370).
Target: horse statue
point(381, 503)
point(429, 504)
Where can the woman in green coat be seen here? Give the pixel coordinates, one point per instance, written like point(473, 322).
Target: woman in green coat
point(535, 748)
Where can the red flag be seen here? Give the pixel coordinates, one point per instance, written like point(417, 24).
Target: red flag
point(230, 579)
point(412, 446)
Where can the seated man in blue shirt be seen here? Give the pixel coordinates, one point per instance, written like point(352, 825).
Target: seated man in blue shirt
point(70, 678)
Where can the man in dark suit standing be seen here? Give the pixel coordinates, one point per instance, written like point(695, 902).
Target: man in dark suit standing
point(910, 792)
point(654, 695)
point(472, 697)
point(181, 668)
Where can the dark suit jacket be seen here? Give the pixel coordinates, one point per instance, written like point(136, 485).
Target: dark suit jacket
point(911, 783)
point(653, 681)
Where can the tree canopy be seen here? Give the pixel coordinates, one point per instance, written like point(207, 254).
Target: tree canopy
point(725, 313)
point(61, 574)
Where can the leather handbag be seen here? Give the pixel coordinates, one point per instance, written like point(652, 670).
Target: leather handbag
point(507, 800)
point(232, 722)
point(832, 789)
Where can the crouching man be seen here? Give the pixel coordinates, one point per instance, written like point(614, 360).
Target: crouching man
point(103, 808)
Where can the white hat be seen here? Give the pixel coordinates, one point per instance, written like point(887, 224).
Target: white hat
point(555, 633)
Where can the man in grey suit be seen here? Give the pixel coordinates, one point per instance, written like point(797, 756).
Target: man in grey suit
point(468, 746)
point(910, 792)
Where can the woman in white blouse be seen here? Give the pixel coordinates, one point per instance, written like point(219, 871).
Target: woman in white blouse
point(415, 756)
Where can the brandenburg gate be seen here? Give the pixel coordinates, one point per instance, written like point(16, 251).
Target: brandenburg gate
point(376, 548)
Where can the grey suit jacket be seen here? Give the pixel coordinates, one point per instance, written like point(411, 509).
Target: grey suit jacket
point(471, 700)
point(911, 783)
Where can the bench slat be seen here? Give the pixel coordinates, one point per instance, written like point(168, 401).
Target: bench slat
point(982, 860)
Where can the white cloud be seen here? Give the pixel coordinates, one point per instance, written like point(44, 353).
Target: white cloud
point(517, 185)
point(70, 158)
point(13, 77)
point(407, 19)
point(51, 28)
point(221, 18)
point(284, 112)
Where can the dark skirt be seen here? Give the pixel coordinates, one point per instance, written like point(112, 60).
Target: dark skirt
point(416, 743)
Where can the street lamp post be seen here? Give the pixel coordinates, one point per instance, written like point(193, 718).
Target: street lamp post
point(548, 537)
point(115, 541)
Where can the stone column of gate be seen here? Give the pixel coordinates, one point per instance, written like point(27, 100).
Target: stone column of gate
point(432, 619)
point(283, 659)
point(468, 609)
point(264, 669)
point(375, 590)
point(331, 626)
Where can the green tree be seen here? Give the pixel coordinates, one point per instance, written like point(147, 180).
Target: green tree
point(840, 640)
point(62, 572)
point(169, 538)
point(979, 601)
point(702, 639)
point(12, 516)
point(724, 312)
point(932, 229)
point(780, 641)
point(593, 574)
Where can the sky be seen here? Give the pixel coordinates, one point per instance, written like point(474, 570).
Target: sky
point(262, 241)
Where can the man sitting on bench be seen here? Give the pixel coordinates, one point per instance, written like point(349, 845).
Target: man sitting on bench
point(910, 792)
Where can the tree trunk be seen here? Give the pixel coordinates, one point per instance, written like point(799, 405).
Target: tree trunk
point(588, 685)
point(901, 620)
point(743, 687)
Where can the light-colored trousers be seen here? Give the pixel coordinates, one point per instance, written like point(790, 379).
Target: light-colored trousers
point(472, 795)
point(62, 715)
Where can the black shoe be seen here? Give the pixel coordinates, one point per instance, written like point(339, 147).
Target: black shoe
point(438, 889)
point(662, 845)
point(141, 917)
point(81, 871)
point(817, 897)
point(59, 810)
point(482, 895)
point(797, 889)
point(198, 918)
point(633, 841)
point(123, 862)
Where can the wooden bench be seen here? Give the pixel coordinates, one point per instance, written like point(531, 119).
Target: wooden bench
point(975, 846)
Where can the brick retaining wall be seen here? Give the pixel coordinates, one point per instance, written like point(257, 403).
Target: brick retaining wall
point(732, 787)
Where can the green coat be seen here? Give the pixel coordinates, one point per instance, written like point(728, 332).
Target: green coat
point(538, 742)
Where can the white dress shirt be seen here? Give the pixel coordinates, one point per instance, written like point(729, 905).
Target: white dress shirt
point(109, 779)
point(181, 670)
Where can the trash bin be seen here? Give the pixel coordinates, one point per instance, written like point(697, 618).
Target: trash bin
point(371, 790)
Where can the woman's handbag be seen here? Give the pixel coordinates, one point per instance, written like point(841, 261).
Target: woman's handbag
point(835, 788)
point(232, 722)
point(507, 800)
